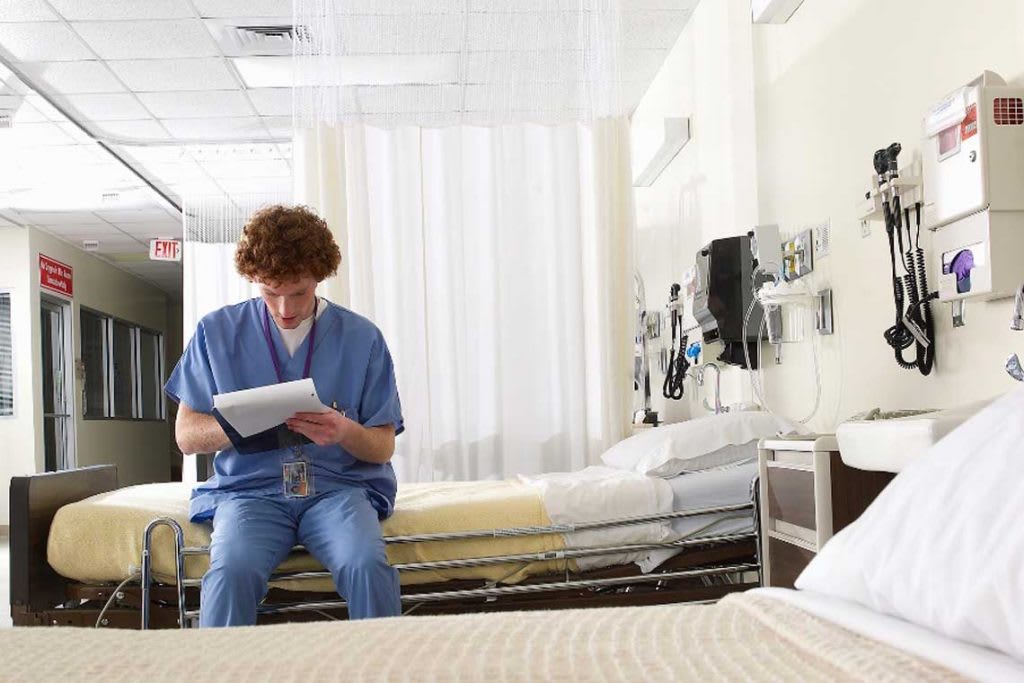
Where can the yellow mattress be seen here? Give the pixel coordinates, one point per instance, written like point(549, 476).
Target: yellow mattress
point(99, 539)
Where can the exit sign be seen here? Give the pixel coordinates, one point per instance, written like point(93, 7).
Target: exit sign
point(164, 250)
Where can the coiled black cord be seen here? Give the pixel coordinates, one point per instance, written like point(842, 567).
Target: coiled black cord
point(899, 336)
point(678, 366)
point(675, 375)
point(922, 310)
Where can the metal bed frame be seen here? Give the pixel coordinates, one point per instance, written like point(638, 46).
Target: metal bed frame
point(188, 618)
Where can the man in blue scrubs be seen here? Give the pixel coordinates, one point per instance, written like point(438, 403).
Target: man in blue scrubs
point(323, 480)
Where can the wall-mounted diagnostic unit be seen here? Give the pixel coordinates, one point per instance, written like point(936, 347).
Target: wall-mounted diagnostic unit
point(973, 167)
point(724, 293)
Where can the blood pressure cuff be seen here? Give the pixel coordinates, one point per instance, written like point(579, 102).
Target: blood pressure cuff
point(269, 440)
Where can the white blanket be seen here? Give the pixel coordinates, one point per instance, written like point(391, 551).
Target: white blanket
point(602, 493)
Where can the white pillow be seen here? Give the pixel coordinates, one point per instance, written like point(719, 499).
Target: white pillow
point(943, 545)
point(672, 449)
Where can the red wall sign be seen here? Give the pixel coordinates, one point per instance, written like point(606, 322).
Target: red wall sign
point(165, 250)
point(55, 276)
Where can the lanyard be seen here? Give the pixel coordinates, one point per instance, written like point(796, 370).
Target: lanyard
point(273, 352)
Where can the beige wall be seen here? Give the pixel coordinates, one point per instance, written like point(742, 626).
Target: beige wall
point(18, 434)
point(140, 449)
point(174, 346)
point(826, 96)
point(711, 186)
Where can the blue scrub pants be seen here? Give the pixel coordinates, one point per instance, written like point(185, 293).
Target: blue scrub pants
point(253, 535)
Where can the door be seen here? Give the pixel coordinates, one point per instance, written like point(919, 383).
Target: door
point(58, 399)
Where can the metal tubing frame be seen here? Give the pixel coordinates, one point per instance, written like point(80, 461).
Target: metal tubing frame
point(146, 572)
point(181, 551)
point(440, 596)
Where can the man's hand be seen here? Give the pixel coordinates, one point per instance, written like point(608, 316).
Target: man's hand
point(323, 429)
point(370, 444)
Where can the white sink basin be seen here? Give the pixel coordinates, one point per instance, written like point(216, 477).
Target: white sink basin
point(888, 445)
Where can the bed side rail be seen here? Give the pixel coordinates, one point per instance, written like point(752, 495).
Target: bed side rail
point(35, 499)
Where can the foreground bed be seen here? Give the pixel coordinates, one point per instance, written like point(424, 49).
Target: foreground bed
point(752, 636)
point(459, 547)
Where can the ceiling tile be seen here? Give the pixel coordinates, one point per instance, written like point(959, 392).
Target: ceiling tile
point(83, 230)
point(27, 113)
point(28, 134)
point(161, 231)
point(633, 91)
point(108, 107)
point(248, 169)
point(677, 5)
point(147, 39)
point(160, 153)
point(175, 172)
point(50, 42)
point(44, 107)
point(124, 245)
point(135, 129)
point(70, 78)
point(100, 10)
point(256, 185)
point(67, 156)
point(61, 218)
point(159, 75)
point(235, 128)
point(133, 215)
point(83, 139)
point(151, 231)
point(641, 65)
point(202, 104)
point(279, 127)
point(653, 28)
point(244, 8)
point(272, 101)
point(25, 10)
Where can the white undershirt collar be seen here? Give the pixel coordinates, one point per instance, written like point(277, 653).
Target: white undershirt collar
point(293, 338)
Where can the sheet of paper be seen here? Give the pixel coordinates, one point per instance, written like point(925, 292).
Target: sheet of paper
point(252, 411)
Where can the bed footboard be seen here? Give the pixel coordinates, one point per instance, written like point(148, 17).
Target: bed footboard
point(35, 499)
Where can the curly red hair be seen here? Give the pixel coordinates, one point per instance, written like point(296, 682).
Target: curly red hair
point(286, 243)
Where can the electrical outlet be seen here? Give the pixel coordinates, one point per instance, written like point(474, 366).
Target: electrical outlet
point(823, 239)
point(865, 229)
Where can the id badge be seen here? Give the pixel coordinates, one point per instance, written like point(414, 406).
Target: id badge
point(297, 475)
point(296, 479)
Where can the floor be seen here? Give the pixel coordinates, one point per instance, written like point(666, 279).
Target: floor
point(5, 579)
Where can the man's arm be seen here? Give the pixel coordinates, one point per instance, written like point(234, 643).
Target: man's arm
point(369, 444)
point(198, 432)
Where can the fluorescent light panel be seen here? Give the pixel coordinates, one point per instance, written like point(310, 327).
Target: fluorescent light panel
point(284, 72)
point(677, 134)
point(773, 11)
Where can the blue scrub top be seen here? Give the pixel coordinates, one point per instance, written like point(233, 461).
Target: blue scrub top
point(351, 367)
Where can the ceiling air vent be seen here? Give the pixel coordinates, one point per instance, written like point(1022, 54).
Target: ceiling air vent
point(255, 37)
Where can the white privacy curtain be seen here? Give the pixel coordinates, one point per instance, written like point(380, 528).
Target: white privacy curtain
point(212, 226)
point(498, 263)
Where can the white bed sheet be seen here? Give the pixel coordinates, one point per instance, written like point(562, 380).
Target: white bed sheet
point(969, 660)
point(602, 493)
point(730, 485)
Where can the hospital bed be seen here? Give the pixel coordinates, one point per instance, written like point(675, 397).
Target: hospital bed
point(765, 634)
point(86, 551)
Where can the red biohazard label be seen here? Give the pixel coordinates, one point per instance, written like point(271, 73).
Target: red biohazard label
point(969, 127)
